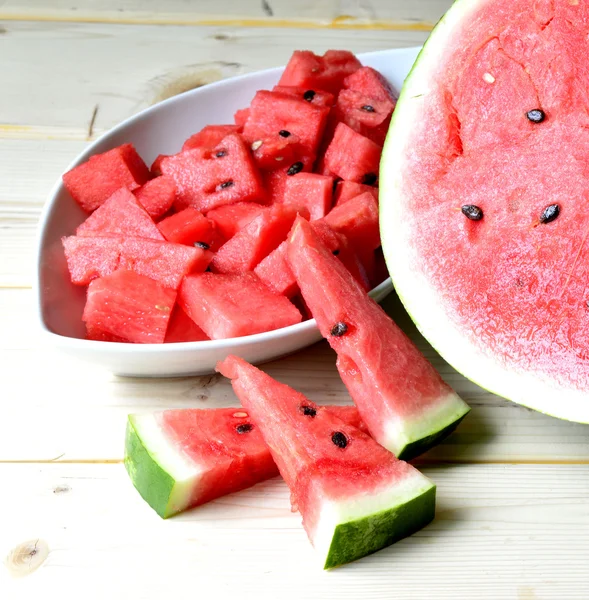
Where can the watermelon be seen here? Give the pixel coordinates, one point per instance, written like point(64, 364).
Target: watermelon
point(207, 179)
point(190, 227)
point(275, 181)
point(92, 257)
point(403, 400)
point(275, 150)
point(229, 219)
point(121, 214)
point(128, 306)
point(346, 190)
point(182, 328)
point(241, 117)
point(209, 137)
point(226, 306)
point(484, 199)
point(179, 459)
point(317, 97)
point(354, 496)
point(370, 82)
point(157, 196)
point(315, 192)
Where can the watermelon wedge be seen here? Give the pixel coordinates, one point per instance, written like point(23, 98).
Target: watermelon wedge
point(178, 459)
point(354, 496)
point(403, 400)
point(484, 192)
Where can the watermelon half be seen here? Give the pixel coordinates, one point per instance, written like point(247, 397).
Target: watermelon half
point(484, 190)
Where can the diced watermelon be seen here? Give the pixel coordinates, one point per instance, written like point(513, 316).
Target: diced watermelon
point(227, 306)
point(275, 272)
point(178, 459)
point(317, 97)
point(404, 401)
point(191, 227)
point(255, 241)
point(229, 219)
point(157, 196)
point(312, 72)
point(182, 328)
point(315, 192)
point(271, 112)
point(346, 190)
point(156, 165)
point(205, 180)
point(352, 156)
point(370, 82)
point(240, 117)
point(275, 181)
point(93, 182)
point(209, 137)
point(283, 148)
point(121, 214)
point(354, 496)
point(130, 306)
point(92, 257)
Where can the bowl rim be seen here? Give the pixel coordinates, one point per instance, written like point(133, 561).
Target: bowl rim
point(276, 334)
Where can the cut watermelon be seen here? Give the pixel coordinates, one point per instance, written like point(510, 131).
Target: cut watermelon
point(403, 400)
point(209, 137)
point(182, 328)
point(346, 190)
point(92, 257)
point(229, 219)
point(129, 306)
point(227, 306)
point(485, 199)
point(240, 118)
point(178, 459)
point(275, 151)
point(157, 196)
point(121, 214)
point(354, 496)
point(93, 182)
point(156, 166)
point(317, 97)
point(370, 82)
point(275, 181)
point(191, 227)
point(205, 180)
point(255, 241)
point(315, 192)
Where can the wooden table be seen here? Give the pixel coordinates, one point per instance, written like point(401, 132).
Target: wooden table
point(513, 514)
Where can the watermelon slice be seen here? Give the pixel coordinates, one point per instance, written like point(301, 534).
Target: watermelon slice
point(178, 459)
point(315, 192)
point(276, 150)
point(346, 190)
point(486, 215)
point(157, 196)
point(227, 306)
point(370, 82)
point(191, 227)
point(354, 496)
point(317, 97)
point(182, 328)
point(403, 400)
point(229, 219)
point(209, 137)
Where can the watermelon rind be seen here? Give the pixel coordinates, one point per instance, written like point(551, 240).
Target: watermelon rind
point(358, 526)
point(421, 300)
point(164, 478)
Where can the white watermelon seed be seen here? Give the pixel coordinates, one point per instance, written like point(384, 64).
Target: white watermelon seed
point(257, 144)
point(489, 78)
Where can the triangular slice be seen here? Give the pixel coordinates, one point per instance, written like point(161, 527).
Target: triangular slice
point(405, 403)
point(178, 459)
point(354, 496)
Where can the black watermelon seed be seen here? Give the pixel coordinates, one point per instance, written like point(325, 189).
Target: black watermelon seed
point(308, 411)
point(537, 115)
point(202, 245)
point(283, 133)
point(295, 168)
point(339, 329)
point(339, 439)
point(369, 179)
point(335, 252)
point(221, 154)
point(309, 95)
point(367, 108)
point(226, 184)
point(472, 212)
point(244, 428)
point(550, 213)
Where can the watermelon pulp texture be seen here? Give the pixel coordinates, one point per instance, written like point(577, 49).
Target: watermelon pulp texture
point(157, 196)
point(354, 496)
point(401, 397)
point(178, 459)
point(509, 310)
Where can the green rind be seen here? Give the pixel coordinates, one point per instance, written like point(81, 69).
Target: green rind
point(361, 537)
point(152, 482)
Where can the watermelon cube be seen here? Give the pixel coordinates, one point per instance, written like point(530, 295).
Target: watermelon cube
point(275, 181)
point(92, 257)
point(316, 97)
point(275, 272)
point(157, 196)
point(205, 180)
point(227, 306)
point(255, 241)
point(209, 137)
point(352, 156)
point(93, 182)
point(156, 165)
point(229, 219)
point(129, 307)
point(274, 151)
point(120, 215)
point(191, 227)
point(315, 192)
point(346, 190)
point(370, 82)
point(240, 117)
point(182, 328)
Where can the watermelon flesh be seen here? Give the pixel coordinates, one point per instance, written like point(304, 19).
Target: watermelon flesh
point(354, 496)
point(181, 328)
point(179, 459)
point(209, 137)
point(229, 219)
point(403, 400)
point(191, 227)
point(315, 192)
point(157, 196)
point(317, 97)
point(346, 190)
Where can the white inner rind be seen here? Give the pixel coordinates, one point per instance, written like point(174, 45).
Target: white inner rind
point(420, 298)
point(180, 467)
point(335, 512)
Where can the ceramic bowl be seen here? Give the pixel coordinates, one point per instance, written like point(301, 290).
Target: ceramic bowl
point(161, 129)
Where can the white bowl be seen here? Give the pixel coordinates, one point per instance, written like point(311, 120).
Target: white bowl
point(162, 129)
